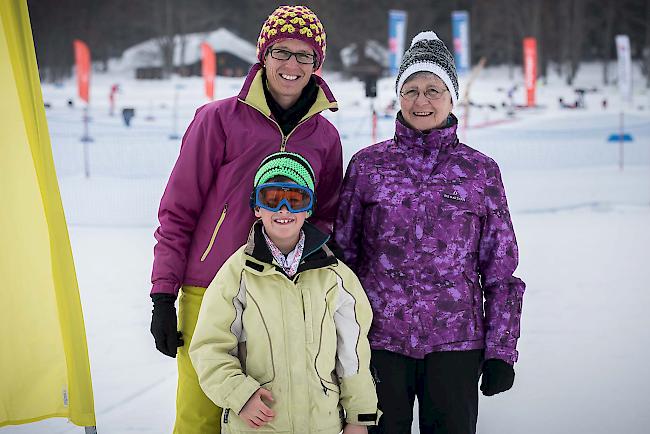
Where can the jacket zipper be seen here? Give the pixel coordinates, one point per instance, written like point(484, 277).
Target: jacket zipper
point(283, 145)
point(214, 234)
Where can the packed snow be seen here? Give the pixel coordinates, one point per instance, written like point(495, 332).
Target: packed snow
point(582, 222)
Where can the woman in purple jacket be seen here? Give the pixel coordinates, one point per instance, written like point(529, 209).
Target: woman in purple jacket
point(423, 221)
point(204, 213)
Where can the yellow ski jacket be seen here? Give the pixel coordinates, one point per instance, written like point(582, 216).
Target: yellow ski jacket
point(304, 339)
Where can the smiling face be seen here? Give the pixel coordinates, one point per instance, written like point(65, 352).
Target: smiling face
point(287, 78)
point(282, 227)
point(422, 113)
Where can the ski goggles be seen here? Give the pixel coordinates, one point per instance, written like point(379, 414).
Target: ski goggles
point(273, 195)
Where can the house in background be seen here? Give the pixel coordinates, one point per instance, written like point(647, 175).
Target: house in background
point(371, 61)
point(234, 55)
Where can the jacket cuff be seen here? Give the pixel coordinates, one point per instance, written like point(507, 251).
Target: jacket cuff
point(367, 419)
point(508, 355)
point(359, 400)
point(240, 395)
point(164, 287)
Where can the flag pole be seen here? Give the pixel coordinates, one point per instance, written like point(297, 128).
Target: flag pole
point(621, 137)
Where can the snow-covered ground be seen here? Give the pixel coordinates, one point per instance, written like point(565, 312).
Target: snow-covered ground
point(582, 225)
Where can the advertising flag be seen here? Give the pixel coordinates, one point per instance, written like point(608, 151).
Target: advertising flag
point(396, 39)
point(208, 68)
point(82, 61)
point(624, 67)
point(530, 69)
point(460, 30)
point(44, 367)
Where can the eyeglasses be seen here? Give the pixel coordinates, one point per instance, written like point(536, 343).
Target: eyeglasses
point(304, 58)
point(431, 94)
point(273, 195)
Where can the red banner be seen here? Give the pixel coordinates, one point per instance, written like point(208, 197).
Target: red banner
point(530, 69)
point(82, 60)
point(208, 68)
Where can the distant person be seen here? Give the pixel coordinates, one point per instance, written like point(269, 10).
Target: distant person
point(580, 98)
point(203, 213)
point(115, 88)
point(281, 339)
point(423, 221)
point(564, 104)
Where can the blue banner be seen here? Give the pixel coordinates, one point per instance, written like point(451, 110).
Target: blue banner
point(396, 39)
point(460, 30)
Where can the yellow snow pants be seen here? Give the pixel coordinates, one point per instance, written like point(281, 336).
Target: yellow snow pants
point(195, 412)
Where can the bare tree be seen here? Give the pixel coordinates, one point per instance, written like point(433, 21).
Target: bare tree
point(576, 32)
point(609, 16)
point(568, 32)
point(646, 46)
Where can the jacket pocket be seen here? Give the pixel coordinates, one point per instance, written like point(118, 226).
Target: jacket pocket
point(214, 233)
point(324, 362)
point(259, 347)
point(513, 305)
point(477, 300)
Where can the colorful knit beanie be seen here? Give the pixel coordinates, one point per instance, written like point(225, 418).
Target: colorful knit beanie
point(292, 22)
point(429, 53)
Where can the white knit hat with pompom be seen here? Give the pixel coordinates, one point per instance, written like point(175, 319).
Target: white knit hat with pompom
point(428, 53)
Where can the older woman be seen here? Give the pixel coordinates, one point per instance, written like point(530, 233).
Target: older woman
point(423, 221)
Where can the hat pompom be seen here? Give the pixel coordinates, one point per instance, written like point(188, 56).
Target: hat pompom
point(424, 36)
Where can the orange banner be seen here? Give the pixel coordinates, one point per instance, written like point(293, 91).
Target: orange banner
point(82, 60)
point(208, 68)
point(530, 69)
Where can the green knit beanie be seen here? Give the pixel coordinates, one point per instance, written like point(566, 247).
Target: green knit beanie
point(288, 164)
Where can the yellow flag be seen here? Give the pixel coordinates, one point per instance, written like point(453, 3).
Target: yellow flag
point(44, 368)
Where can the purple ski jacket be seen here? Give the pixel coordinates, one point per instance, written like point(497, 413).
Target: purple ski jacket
point(204, 212)
point(423, 221)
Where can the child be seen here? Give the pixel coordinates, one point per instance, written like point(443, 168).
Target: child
point(281, 339)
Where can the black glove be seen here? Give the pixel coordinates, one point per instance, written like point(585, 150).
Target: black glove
point(163, 324)
point(498, 376)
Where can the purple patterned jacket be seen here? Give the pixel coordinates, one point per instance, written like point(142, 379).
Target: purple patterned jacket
point(423, 221)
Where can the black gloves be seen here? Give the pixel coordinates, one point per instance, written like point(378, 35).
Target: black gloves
point(163, 324)
point(498, 376)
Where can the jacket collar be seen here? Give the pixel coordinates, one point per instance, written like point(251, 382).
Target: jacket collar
point(252, 93)
point(315, 254)
point(435, 141)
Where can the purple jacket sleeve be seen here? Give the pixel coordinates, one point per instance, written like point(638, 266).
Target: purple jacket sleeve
point(498, 259)
point(181, 204)
point(349, 219)
point(329, 186)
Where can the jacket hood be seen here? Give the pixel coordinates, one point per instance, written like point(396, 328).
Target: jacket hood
point(315, 254)
point(252, 93)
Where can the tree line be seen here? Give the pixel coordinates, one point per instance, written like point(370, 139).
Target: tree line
point(568, 31)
